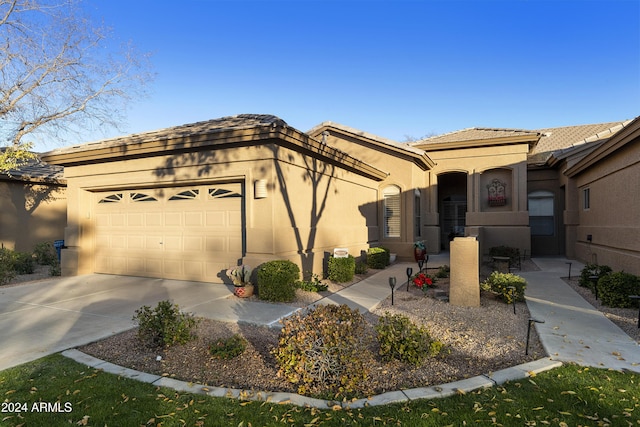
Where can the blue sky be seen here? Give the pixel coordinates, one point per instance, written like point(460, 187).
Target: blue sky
point(391, 68)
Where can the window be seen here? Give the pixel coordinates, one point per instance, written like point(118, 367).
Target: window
point(586, 199)
point(391, 205)
point(541, 219)
point(113, 198)
point(141, 197)
point(185, 195)
point(417, 208)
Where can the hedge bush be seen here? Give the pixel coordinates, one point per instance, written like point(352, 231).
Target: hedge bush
point(615, 288)
point(499, 284)
point(593, 270)
point(401, 339)
point(378, 257)
point(323, 351)
point(23, 263)
point(164, 325)
point(277, 281)
point(45, 253)
point(341, 269)
point(7, 272)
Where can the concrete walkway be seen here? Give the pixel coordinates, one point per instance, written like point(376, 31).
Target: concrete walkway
point(54, 315)
point(573, 330)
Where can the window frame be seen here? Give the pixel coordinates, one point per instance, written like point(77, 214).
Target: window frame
point(392, 211)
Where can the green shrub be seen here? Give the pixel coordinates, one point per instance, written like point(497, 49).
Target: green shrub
point(378, 257)
point(45, 253)
point(615, 288)
point(443, 272)
point(228, 348)
point(23, 263)
point(593, 270)
point(401, 339)
point(55, 269)
point(323, 351)
point(311, 283)
point(506, 251)
point(165, 325)
point(499, 284)
point(277, 280)
point(361, 267)
point(342, 269)
point(7, 272)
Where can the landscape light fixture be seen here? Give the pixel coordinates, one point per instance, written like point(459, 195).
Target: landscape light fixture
point(409, 273)
point(392, 285)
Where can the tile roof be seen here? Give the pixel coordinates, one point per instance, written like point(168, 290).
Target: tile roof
point(35, 170)
point(474, 134)
point(555, 139)
point(237, 122)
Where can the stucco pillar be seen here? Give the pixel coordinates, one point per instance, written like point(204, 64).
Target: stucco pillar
point(465, 281)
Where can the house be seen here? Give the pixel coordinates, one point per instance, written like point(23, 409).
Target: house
point(33, 206)
point(190, 201)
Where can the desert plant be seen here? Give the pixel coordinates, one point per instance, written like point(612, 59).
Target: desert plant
point(322, 350)
point(277, 280)
point(45, 253)
point(615, 288)
point(401, 339)
point(341, 269)
point(240, 276)
point(164, 325)
point(593, 270)
point(500, 284)
point(443, 272)
point(228, 348)
point(311, 283)
point(23, 263)
point(7, 273)
point(378, 257)
point(361, 267)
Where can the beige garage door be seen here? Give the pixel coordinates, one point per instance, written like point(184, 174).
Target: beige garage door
point(188, 233)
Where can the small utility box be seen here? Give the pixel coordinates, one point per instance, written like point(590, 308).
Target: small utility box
point(465, 272)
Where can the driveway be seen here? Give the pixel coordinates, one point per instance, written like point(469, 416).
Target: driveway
point(41, 318)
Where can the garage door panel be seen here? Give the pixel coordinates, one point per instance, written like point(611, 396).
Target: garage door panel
point(135, 219)
point(172, 219)
point(190, 233)
point(153, 219)
point(193, 219)
point(118, 220)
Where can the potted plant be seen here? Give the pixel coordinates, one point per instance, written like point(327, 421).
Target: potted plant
point(240, 276)
point(419, 250)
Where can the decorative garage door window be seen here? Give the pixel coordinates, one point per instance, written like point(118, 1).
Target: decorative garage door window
point(220, 193)
point(186, 195)
point(141, 197)
point(112, 198)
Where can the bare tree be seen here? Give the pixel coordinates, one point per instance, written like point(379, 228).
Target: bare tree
point(59, 74)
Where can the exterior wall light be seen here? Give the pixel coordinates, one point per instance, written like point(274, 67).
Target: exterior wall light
point(260, 189)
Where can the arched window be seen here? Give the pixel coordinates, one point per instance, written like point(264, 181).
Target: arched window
point(541, 218)
point(391, 204)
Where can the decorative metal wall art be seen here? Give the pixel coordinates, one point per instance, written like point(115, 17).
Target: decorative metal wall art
point(497, 193)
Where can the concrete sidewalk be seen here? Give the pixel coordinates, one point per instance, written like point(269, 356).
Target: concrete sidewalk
point(573, 330)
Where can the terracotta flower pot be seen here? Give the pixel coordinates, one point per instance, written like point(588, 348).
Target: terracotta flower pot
point(243, 291)
point(419, 254)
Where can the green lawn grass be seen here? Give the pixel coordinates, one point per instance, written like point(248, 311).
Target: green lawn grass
point(566, 396)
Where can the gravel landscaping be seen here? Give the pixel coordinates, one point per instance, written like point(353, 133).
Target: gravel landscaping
point(478, 341)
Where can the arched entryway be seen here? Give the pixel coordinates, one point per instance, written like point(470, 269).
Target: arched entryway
point(452, 206)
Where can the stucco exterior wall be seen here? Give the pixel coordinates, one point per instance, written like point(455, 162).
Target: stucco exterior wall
point(403, 172)
point(31, 213)
point(311, 206)
point(494, 225)
point(612, 218)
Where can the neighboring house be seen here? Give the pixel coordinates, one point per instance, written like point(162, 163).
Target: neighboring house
point(33, 206)
point(190, 201)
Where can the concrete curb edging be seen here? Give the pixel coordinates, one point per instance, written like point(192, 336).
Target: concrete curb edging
point(434, 392)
